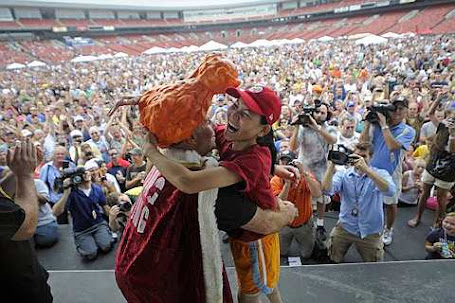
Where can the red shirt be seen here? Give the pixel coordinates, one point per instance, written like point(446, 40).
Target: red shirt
point(159, 258)
point(252, 165)
point(121, 162)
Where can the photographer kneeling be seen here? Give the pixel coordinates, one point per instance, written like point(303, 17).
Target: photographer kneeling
point(361, 220)
point(120, 209)
point(87, 205)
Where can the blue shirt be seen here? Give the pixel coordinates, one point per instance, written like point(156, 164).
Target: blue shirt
point(361, 193)
point(86, 211)
point(383, 157)
point(48, 174)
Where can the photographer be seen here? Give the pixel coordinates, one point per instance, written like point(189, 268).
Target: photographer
point(361, 220)
point(120, 209)
point(22, 277)
point(135, 173)
point(87, 205)
point(390, 137)
point(302, 228)
point(312, 137)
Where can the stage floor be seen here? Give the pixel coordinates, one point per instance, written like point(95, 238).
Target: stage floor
point(395, 280)
point(405, 281)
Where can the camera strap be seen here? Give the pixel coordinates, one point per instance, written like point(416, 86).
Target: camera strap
point(4, 194)
point(355, 208)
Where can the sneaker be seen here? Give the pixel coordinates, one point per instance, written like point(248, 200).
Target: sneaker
point(321, 233)
point(387, 236)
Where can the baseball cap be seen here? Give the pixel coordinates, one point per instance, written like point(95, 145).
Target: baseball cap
point(401, 101)
point(91, 164)
point(260, 100)
point(350, 103)
point(78, 118)
point(76, 133)
point(26, 133)
point(287, 155)
point(136, 152)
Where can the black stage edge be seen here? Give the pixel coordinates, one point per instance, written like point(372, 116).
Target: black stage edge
point(402, 281)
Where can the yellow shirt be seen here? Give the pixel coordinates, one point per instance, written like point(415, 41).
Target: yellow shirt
point(422, 152)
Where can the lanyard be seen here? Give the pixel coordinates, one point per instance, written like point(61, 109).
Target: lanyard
point(355, 208)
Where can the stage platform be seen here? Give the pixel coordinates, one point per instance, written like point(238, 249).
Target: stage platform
point(403, 277)
point(400, 282)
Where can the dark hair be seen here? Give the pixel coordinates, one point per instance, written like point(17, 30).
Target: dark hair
point(268, 141)
point(365, 146)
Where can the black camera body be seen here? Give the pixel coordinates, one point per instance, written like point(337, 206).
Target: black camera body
point(384, 109)
point(75, 174)
point(341, 155)
point(125, 206)
point(304, 117)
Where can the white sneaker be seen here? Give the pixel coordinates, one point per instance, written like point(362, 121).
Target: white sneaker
point(387, 236)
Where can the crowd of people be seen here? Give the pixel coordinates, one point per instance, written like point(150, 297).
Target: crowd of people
point(388, 109)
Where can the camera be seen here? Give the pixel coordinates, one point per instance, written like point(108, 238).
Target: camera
point(304, 117)
point(75, 174)
point(340, 155)
point(382, 108)
point(125, 206)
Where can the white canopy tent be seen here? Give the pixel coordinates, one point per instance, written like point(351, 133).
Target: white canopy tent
point(212, 45)
point(105, 56)
point(297, 41)
point(82, 59)
point(155, 50)
point(325, 39)
point(261, 43)
point(173, 50)
point(371, 39)
point(121, 55)
point(358, 36)
point(239, 45)
point(15, 66)
point(192, 48)
point(391, 35)
point(36, 64)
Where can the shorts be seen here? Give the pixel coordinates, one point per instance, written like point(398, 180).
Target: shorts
point(428, 178)
point(257, 264)
point(321, 200)
point(394, 199)
point(370, 248)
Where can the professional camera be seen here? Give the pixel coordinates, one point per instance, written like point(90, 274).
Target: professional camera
point(75, 174)
point(383, 108)
point(125, 206)
point(340, 155)
point(304, 117)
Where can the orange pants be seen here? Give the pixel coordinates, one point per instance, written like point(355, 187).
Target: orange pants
point(257, 264)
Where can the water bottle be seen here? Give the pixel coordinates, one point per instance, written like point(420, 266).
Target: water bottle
point(445, 253)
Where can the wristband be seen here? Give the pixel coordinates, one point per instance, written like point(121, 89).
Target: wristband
point(384, 127)
point(451, 137)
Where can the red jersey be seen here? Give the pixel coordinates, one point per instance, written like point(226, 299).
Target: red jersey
point(159, 258)
point(252, 165)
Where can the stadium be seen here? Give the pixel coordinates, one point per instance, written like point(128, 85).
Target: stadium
point(355, 97)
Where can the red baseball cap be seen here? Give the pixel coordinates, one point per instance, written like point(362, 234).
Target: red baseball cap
point(260, 100)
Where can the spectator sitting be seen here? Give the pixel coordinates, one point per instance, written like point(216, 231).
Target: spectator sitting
point(412, 185)
point(46, 234)
point(93, 167)
point(135, 173)
point(347, 135)
point(109, 177)
point(440, 243)
point(100, 142)
point(117, 167)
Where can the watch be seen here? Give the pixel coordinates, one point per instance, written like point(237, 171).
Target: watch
point(384, 127)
